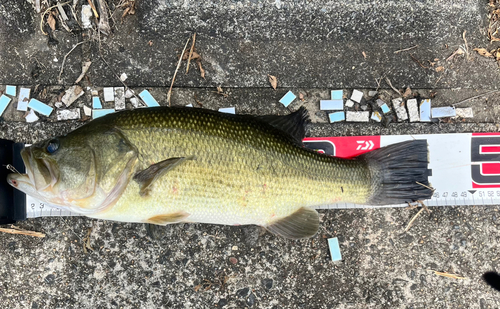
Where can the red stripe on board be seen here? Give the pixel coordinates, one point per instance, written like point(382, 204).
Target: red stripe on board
point(490, 149)
point(490, 168)
point(483, 134)
point(350, 146)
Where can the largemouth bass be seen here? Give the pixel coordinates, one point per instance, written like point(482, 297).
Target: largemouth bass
point(167, 165)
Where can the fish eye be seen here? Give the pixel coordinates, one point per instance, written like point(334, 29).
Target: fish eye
point(52, 146)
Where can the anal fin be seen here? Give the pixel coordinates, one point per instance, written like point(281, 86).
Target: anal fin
point(147, 177)
point(167, 218)
point(303, 223)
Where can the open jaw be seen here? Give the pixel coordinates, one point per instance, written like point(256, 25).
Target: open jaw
point(40, 172)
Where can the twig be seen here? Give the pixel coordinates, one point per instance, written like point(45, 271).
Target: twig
point(190, 53)
point(475, 97)
point(93, 9)
point(85, 68)
point(466, 45)
point(378, 83)
point(16, 230)
point(417, 61)
point(103, 21)
point(402, 50)
point(64, 60)
point(445, 274)
point(413, 219)
point(175, 73)
point(45, 12)
point(390, 84)
point(430, 188)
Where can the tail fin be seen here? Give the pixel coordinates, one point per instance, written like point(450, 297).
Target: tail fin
point(399, 173)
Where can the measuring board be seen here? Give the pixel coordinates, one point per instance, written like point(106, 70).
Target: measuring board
point(465, 168)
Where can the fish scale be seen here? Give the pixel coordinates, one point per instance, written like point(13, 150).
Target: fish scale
point(222, 184)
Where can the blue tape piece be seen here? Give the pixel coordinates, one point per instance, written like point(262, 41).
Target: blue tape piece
point(40, 107)
point(148, 99)
point(288, 98)
point(10, 90)
point(4, 102)
point(96, 113)
point(425, 110)
point(385, 108)
point(331, 105)
point(337, 94)
point(338, 116)
point(228, 110)
point(333, 243)
point(96, 103)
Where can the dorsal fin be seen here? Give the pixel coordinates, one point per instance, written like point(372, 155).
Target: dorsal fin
point(293, 124)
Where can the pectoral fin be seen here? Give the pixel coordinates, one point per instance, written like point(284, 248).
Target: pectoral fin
point(148, 176)
point(303, 223)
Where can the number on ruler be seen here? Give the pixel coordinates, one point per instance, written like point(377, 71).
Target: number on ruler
point(445, 194)
point(436, 194)
point(481, 194)
point(491, 193)
point(42, 205)
point(464, 194)
point(454, 194)
point(32, 205)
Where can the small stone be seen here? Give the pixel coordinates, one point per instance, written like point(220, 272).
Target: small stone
point(50, 279)
point(251, 300)
point(233, 260)
point(222, 302)
point(372, 93)
point(123, 77)
point(349, 103)
point(234, 248)
point(243, 292)
point(267, 283)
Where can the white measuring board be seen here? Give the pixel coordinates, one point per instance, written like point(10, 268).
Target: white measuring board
point(465, 168)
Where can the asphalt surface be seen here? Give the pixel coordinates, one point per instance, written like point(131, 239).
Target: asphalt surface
point(312, 47)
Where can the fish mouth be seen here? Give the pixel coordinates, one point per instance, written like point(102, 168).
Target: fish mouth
point(40, 171)
point(16, 180)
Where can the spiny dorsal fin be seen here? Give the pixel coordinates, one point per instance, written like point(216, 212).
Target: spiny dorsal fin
point(303, 223)
point(293, 124)
point(148, 176)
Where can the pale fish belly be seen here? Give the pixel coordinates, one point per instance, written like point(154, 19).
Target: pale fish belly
point(224, 194)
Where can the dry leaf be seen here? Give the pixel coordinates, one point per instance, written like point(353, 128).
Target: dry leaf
point(439, 69)
point(52, 22)
point(364, 54)
point(273, 80)
point(301, 96)
point(219, 89)
point(202, 70)
point(436, 59)
point(407, 92)
point(195, 55)
point(483, 52)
